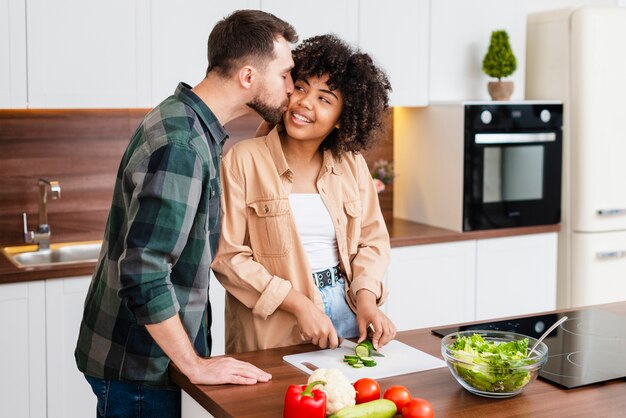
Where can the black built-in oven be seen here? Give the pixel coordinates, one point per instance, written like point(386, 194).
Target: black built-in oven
point(512, 167)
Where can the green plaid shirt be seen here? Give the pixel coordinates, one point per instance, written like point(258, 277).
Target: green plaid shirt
point(160, 238)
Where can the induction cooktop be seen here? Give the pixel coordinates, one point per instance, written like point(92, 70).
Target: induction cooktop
point(589, 347)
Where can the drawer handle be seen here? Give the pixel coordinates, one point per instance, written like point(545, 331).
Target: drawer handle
point(610, 254)
point(611, 212)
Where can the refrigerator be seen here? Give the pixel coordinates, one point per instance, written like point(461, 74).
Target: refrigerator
point(578, 56)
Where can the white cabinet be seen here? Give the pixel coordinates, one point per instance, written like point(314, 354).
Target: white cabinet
point(180, 53)
point(396, 34)
point(217, 296)
point(69, 394)
point(598, 267)
point(23, 350)
point(323, 16)
point(132, 53)
point(515, 275)
point(13, 53)
point(39, 324)
point(88, 54)
point(437, 284)
point(431, 284)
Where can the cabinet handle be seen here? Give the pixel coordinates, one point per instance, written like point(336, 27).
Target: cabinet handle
point(611, 212)
point(610, 254)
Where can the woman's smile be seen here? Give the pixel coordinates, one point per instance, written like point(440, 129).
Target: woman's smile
point(298, 118)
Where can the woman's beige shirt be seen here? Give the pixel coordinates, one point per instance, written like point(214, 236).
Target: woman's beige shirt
point(260, 255)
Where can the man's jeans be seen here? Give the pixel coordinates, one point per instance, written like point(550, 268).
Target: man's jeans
point(126, 400)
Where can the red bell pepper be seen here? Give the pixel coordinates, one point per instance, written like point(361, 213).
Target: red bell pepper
point(301, 401)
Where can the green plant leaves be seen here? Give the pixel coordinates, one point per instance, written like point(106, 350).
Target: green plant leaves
point(499, 61)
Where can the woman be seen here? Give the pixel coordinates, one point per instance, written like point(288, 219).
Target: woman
point(304, 245)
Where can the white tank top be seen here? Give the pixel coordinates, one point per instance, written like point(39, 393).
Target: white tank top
point(316, 230)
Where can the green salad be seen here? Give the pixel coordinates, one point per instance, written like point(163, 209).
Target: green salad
point(492, 366)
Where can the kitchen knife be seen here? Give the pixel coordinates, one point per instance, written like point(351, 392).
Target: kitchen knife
point(350, 344)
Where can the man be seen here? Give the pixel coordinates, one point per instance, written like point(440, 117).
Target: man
point(148, 303)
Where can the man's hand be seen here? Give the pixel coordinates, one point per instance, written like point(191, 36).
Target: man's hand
point(221, 370)
point(173, 340)
point(367, 313)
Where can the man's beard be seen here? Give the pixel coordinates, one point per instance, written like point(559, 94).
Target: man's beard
point(272, 114)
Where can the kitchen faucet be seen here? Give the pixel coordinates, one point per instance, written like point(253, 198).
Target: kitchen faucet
point(42, 235)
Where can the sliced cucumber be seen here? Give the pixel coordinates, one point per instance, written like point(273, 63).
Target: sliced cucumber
point(357, 365)
point(362, 350)
point(369, 363)
point(350, 357)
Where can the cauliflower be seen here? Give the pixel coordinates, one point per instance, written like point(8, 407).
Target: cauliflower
point(339, 391)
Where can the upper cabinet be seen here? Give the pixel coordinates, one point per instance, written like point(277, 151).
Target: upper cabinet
point(88, 54)
point(13, 52)
point(323, 16)
point(133, 53)
point(179, 41)
point(396, 34)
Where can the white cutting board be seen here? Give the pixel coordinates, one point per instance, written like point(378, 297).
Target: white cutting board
point(399, 359)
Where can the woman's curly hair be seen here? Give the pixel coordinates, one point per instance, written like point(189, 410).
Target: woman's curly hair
point(364, 87)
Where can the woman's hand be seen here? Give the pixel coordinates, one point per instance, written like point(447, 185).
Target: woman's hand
point(314, 324)
point(367, 313)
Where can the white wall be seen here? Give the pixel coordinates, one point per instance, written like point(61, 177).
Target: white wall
point(459, 38)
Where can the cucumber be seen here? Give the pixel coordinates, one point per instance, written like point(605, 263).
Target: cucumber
point(369, 363)
point(362, 350)
point(380, 408)
point(357, 365)
point(349, 357)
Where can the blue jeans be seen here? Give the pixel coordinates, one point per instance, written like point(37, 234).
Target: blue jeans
point(336, 307)
point(126, 400)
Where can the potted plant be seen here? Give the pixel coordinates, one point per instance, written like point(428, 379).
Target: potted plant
point(499, 62)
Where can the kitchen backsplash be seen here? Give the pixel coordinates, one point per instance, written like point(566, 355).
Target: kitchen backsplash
point(81, 148)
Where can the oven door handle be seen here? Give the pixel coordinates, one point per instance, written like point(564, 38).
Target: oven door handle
point(512, 138)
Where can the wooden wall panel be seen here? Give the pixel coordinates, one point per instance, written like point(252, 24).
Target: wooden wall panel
point(81, 148)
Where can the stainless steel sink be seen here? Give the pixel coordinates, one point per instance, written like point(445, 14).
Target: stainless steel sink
point(67, 253)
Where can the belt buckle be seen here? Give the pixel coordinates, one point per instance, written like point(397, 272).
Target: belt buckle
point(328, 277)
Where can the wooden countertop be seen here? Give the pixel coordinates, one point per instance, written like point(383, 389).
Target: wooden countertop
point(449, 399)
point(89, 225)
point(404, 233)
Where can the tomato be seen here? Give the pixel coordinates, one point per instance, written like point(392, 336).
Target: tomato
point(398, 395)
point(418, 408)
point(366, 390)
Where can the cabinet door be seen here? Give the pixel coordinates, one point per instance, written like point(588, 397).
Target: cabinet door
point(217, 296)
point(13, 53)
point(515, 275)
point(598, 141)
point(88, 54)
point(23, 350)
point(69, 394)
point(431, 284)
point(598, 268)
point(396, 34)
point(321, 17)
point(179, 40)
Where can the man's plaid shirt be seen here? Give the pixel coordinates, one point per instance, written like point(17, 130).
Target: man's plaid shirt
point(160, 238)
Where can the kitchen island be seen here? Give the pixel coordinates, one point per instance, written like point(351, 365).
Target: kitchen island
point(449, 399)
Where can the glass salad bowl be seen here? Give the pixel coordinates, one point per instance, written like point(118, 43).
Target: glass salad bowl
point(493, 363)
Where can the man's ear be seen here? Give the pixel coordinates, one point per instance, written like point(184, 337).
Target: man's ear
point(247, 75)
